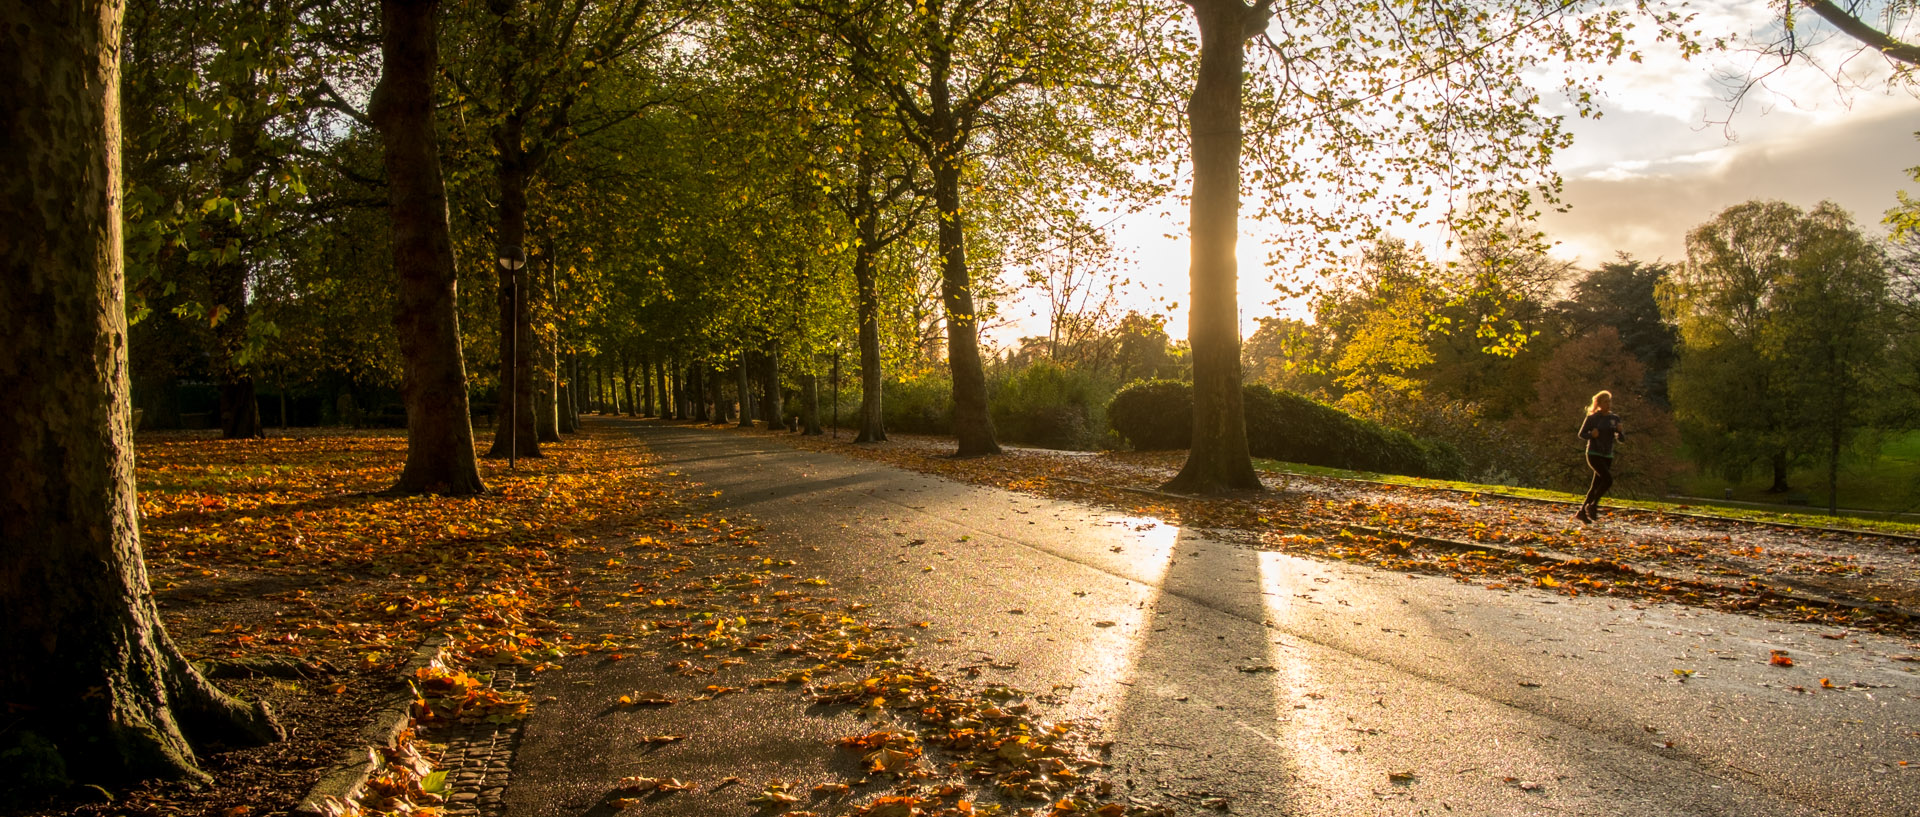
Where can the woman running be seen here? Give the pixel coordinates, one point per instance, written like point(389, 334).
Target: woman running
point(1600, 429)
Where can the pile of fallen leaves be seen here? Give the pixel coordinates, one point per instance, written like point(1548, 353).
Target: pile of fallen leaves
point(287, 572)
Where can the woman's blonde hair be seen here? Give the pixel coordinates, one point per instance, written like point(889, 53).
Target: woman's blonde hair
point(1602, 399)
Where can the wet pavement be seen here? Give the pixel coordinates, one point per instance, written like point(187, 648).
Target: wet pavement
point(1284, 686)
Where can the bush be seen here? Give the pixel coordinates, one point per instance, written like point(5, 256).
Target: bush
point(1047, 405)
point(1153, 415)
point(921, 405)
point(1283, 426)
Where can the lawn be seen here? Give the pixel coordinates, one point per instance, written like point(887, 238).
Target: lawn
point(1886, 483)
point(1739, 509)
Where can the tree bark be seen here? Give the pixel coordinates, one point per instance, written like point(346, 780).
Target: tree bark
point(626, 382)
point(741, 374)
point(95, 689)
point(670, 387)
point(873, 424)
point(646, 385)
point(1219, 460)
point(1778, 462)
point(772, 407)
point(972, 426)
point(434, 386)
point(717, 393)
point(547, 405)
point(810, 416)
point(696, 393)
point(512, 167)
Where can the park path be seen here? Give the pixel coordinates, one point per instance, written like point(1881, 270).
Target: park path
point(1285, 686)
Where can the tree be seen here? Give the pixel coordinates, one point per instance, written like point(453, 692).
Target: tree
point(534, 97)
point(953, 72)
point(1622, 294)
point(1778, 311)
point(1594, 360)
point(98, 687)
point(1830, 337)
point(440, 455)
point(1218, 459)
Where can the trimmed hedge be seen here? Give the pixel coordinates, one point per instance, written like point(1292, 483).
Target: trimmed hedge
point(1158, 415)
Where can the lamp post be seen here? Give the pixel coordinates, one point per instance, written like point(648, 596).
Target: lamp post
point(511, 260)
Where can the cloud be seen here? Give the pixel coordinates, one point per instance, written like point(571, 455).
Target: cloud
point(1645, 206)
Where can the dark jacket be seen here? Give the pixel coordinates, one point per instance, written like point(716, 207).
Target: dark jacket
point(1600, 430)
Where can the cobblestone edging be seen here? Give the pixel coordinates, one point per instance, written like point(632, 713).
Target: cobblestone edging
point(341, 785)
point(477, 757)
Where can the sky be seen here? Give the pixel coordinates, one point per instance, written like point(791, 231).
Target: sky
point(1669, 153)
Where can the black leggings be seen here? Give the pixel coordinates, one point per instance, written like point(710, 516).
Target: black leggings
point(1602, 478)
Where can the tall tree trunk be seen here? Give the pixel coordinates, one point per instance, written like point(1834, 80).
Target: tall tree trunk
point(670, 386)
point(646, 385)
point(741, 373)
point(91, 679)
point(696, 393)
point(439, 431)
point(1219, 460)
point(626, 381)
point(873, 424)
point(717, 391)
point(547, 399)
point(972, 427)
point(1778, 462)
point(516, 431)
point(772, 404)
point(570, 396)
point(239, 399)
point(810, 396)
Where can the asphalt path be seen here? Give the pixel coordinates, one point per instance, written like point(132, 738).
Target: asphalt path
point(1288, 686)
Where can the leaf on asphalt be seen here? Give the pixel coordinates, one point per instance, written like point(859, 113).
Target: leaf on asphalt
point(659, 740)
point(1780, 659)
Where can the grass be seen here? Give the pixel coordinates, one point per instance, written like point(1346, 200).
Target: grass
point(1888, 483)
point(1866, 521)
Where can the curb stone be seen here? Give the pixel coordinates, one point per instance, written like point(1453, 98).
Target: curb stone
point(477, 756)
point(341, 784)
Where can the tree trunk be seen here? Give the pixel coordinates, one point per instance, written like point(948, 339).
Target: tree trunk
point(1219, 460)
point(717, 392)
point(772, 406)
point(1778, 462)
point(516, 431)
point(670, 387)
point(434, 386)
point(239, 399)
point(810, 414)
point(91, 680)
point(873, 424)
point(646, 385)
point(741, 374)
point(569, 396)
point(972, 427)
point(547, 401)
point(626, 382)
point(696, 393)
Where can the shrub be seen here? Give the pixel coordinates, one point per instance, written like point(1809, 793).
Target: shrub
point(1283, 426)
point(1048, 405)
point(1153, 415)
point(920, 405)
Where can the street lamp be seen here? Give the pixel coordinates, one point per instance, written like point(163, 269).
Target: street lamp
point(511, 260)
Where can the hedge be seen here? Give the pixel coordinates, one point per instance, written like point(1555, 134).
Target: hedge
point(1158, 415)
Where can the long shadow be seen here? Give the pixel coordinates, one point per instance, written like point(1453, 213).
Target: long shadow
point(1194, 725)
